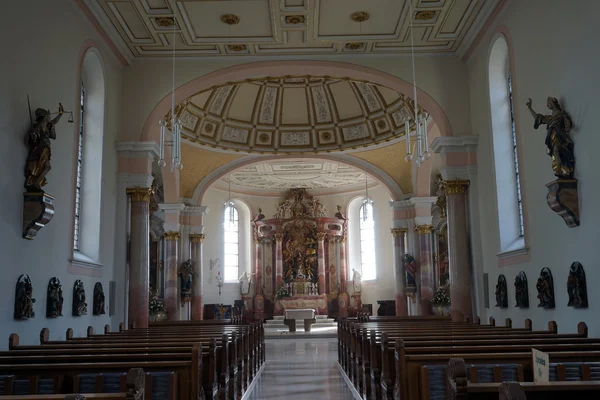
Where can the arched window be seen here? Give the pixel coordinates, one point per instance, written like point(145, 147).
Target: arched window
point(88, 170)
point(506, 150)
point(367, 242)
point(231, 242)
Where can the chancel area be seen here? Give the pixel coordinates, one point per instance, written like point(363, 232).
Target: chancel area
point(328, 199)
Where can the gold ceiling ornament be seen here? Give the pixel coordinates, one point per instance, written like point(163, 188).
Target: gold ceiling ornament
point(360, 16)
point(165, 22)
point(397, 232)
point(237, 47)
point(230, 19)
point(197, 237)
point(424, 15)
point(294, 19)
point(354, 46)
point(457, 186)
point(140, 194)
point(171, 236)
point(424, 229)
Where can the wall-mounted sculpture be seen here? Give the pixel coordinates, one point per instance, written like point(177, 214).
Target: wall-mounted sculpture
point(54, 299)
point(521, 291)
point(186, 277)
point(99, 300)
point(79, 304)
point(577, 287)
point(501, 292)
point(410, 268)
point(545, 288)
point(24, 298)
point(562, 192)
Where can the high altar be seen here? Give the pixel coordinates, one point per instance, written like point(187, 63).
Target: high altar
point(302, 252)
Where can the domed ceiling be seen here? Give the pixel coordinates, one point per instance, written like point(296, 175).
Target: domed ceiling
point(294, 115)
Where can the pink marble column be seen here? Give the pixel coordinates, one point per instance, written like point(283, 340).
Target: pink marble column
point(196, 240)
point(321, 259)
point(278, 259)
point(458, 250)
point(426, 267)
point(139, 260)
point(399, 235)
point(258, 272)
point(343, 298)
point(171, 281)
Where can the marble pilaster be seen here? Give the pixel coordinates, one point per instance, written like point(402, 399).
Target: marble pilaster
point(139, 262)
point(278, 259)
point(196, 247)
point(343, 298)
point(171, 281)
point(458, 245)
point(425, 233)
point(321, 260)
point(259, 298)
point(399, 235)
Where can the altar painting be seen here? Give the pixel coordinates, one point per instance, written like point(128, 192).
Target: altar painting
point(300, 251)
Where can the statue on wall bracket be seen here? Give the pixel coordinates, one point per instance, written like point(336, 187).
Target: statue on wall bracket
point(79, 304)
point(99, 300)
point(24, 298)
point(410, 268)
point(501, 292)
point(545, 288)
point(562, 196)
point(38, 208)
point(186, 277)
point(577, 287)
point(521, 291)
point(54, 300)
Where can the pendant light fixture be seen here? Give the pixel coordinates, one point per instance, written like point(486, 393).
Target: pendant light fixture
point(230, 205)
point(367, 202)
point(175, 127)
point(420, 119)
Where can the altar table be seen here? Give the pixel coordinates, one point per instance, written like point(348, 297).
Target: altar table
point(307, 314)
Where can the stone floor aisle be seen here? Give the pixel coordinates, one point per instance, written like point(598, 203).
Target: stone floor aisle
point(302, 369)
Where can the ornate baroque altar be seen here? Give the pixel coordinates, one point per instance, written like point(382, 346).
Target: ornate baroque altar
point(303, 253)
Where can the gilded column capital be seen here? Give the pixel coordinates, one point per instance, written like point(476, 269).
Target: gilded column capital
point(279, 236)
point(197, 237)
point(171, 236)
point(424, 229)
point(140, 194)
point(321, 236)
point(397, 232)
point(457, 186)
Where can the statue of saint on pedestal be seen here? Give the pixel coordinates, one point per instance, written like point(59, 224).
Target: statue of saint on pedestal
point(245, 281)
point(356, 280)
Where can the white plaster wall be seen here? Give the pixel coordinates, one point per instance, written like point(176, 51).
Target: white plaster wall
point(41, 50)
point(443, 77)
point(380, 289)
point(554, 46)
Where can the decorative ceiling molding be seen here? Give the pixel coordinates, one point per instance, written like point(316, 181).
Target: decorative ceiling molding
point(275, 27)
point(294, 115)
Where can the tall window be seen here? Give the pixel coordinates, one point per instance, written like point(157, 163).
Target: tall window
point(515, 155)
point(79, 167)
point(367, 242)
point(231, 243)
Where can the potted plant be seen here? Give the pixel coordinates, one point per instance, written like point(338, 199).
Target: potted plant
point(441, 301)
point(156, 307)
point(282, 292)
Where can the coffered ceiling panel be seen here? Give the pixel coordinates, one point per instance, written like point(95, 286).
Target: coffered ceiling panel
point(274, 27)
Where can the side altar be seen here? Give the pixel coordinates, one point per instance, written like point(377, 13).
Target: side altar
point(300, 259)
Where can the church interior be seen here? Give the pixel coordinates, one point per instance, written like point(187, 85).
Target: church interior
point(331, 199)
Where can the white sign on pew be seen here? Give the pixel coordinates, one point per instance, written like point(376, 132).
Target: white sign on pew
point(541, 366)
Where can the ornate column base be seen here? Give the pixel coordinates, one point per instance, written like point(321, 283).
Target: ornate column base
point(38, 210)
point(197, 308)
point(355, 304)
point(259, 307)
point(563, 199)
point(401, 305)
point(343, 304)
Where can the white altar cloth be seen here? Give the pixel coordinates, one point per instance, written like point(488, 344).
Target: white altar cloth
point(300, 313)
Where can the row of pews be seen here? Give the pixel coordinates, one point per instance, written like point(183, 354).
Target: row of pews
point(430, 357)
point(187, 360)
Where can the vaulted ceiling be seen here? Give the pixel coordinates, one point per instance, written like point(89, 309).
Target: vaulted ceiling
point(282, 27)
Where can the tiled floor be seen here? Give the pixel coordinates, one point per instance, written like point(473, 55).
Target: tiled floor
point(302, 369)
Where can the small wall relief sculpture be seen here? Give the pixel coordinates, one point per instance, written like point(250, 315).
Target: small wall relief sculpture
point(410, 268)
point(23, 298)
point(577, 287)
point(54, 299)
point(501, 292)
point(545, 288)
point(186, 277)
point(521, 291)
point(79, 304)
point(99, 300)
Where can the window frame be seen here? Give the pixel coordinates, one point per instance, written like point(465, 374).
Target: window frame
point(78, 172)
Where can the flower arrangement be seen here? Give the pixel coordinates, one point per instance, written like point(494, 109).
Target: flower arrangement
point(441, 297)
point(156, 304)
point(282, 292)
